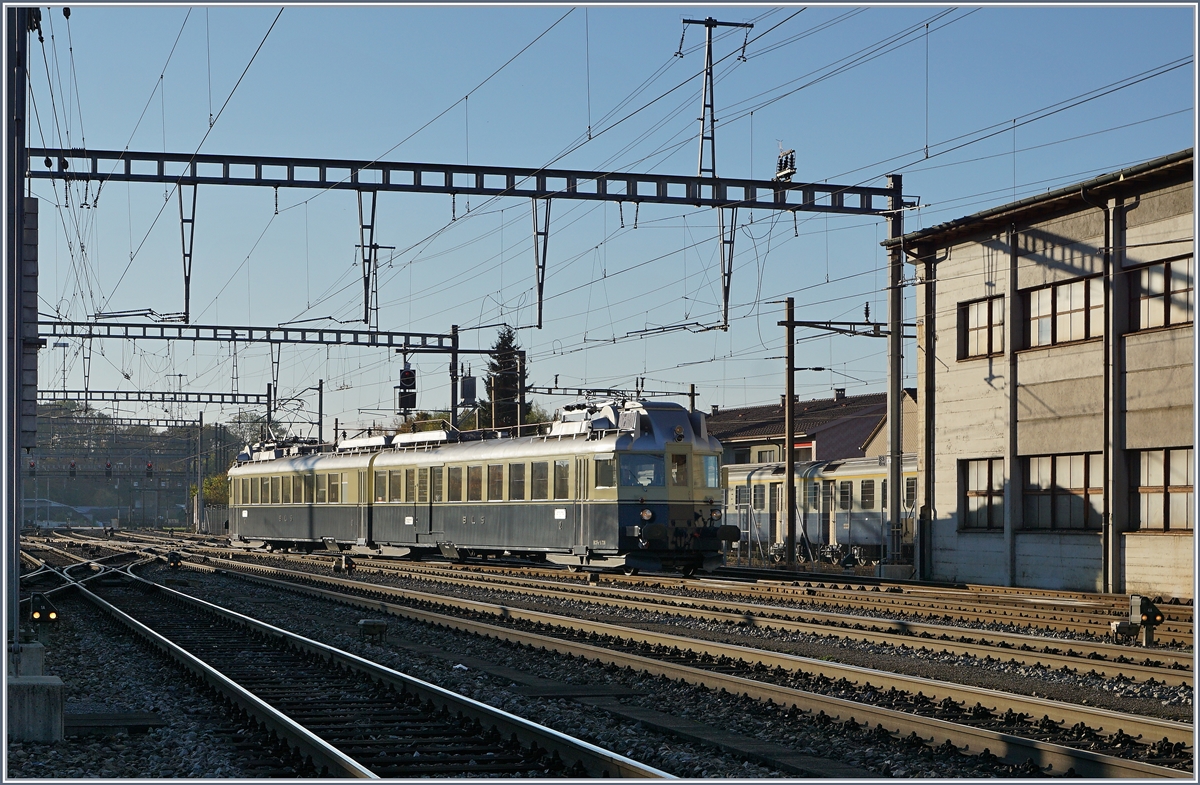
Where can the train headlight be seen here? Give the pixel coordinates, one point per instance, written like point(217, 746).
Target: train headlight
point(647, 515)
point(716, 515)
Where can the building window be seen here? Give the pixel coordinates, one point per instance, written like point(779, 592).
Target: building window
point(981, 328)
point(1164, 489)
point(866, 494)
point(845, 495)
point(1065, 312)
point(766, 456)
point(1064, 491)
point(983, 493)
point(1162, 293)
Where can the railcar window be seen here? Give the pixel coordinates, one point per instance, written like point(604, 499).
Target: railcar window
point(814, 494)
point(322, 488)
point(380, 486)
point(495, 482)
point(641, 470)
point(276, 482)
point(245, 483)
point(910, 491)
point(606, 473)
point(410, 485)
point(708, 471)
point(394, 486)
point(540, 474)
point(435, 483)
point(845, 495)
point(866, 495)
point(741, 495)
point(255, 498)
point(422, 486)
point(309, 488)
point(516, 482)
point(679, 475)
point(285, 495)
point(760, 496)
point(562, 488)
point(474, 483)
point(265, 489)
point(454, 481)
point(334, 485)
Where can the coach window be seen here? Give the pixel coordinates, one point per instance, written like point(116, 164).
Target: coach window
point(394, 486)
point(410, 485)
point(334, 487)
point(254, 491)
point(516, 482)
point(265, 485)
point(814, 494)
point(322, 488)
point(454, 484)
point(285, 495)
point(845, 495)
point(539, 475)
point(866, 494)
point(562, 485)
point(606, 472)
point(679, 475)
point(760, 497)
point(435, 483)
point(474, 483)
point(981, 328)
point(380, 486)
point(422, 486)
point(495, 482)
point(275, 483)
point(641, 470)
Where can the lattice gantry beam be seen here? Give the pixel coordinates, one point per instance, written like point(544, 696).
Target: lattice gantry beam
point(408, 342)
point(536, 183)
point(149, 396)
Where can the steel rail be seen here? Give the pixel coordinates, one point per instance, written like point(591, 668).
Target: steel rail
point(1098, 719)
point(787, 619)
point(932, 731)
point(596, 760)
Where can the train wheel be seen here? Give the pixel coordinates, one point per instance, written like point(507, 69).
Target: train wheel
point(631, 570)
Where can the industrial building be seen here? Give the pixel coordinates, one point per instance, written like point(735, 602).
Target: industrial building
point(1055, 375)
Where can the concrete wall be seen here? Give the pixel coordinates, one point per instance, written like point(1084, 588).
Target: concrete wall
point(1060, 398)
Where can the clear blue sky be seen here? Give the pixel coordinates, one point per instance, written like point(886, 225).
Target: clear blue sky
point(390, 82)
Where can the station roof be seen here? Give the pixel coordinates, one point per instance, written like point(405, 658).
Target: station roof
point(842, 424)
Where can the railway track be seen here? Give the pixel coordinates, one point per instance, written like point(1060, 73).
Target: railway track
point(1104, 659)
point(721, 667)
point(349, 716)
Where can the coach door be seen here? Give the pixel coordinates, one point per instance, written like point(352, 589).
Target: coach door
point(583, 512)
point(364, 508)
point(827, 512)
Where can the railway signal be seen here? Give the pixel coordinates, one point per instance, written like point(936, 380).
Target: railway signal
point(72, 470)
point(406, 392)
point(33, 468)
point(149, 469)
point(41, 610)
point(108, 468)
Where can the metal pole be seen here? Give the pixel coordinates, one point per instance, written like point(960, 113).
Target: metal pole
point(789, 448)
point(895, 346)
point(320, 412)
point(200, 476)
point(520, 390)
point(454, 376)
point(269, 406)
point(691, 397)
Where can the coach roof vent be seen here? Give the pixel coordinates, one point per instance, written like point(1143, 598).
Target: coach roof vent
point(420, 437)
point(364, 443)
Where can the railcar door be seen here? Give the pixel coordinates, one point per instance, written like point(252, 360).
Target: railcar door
point(827, 512)
point(364, 508)
point(583, 525)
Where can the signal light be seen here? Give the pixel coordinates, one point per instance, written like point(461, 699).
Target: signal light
point(41, 610)
point(1144, 612)
point(149, 469)
point(108, 468)
point(72, 468)
point(406, 391)
point(33, 468)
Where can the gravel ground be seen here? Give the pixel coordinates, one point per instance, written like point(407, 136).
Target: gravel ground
point(105, 670)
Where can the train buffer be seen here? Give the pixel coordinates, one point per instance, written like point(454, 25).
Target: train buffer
point(372, 629)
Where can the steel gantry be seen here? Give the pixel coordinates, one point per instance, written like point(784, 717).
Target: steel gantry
point(368, 178)
point(149, 396)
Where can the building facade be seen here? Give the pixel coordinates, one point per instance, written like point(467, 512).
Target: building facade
point(1055, 364)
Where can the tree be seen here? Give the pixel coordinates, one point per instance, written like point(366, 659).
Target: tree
point(506, 381)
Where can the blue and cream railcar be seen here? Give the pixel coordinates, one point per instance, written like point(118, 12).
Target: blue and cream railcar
point(838, 503)
point(633, 485)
